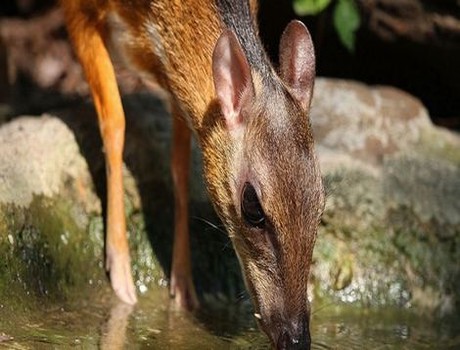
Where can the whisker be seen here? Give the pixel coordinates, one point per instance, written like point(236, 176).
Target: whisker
point(214, 226)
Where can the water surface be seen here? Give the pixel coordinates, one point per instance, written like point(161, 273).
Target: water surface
point(102, 322)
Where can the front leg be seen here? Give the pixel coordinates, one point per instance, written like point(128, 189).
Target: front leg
point(90, 48)
point(181, 288)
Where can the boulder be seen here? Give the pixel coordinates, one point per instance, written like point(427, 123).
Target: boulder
point(391, 227)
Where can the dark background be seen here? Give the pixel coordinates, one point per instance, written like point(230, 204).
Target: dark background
point(397, 44)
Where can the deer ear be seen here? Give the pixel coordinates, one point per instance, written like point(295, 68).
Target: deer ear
point(232, 77)
point(297, 62)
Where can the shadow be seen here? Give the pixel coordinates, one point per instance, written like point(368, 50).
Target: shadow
point(145, 156)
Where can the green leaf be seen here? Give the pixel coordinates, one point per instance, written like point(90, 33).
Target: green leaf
point(309, 7)
point(346, 22)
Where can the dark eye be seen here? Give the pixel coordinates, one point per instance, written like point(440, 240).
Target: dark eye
point(251, 208)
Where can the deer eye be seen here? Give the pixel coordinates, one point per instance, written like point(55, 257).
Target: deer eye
point(252, 211)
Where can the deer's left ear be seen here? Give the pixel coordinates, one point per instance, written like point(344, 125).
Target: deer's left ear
point(232, 78)
point(297, 62)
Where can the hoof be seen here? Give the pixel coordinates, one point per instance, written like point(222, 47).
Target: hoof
point(121, 279)
point(183, 293)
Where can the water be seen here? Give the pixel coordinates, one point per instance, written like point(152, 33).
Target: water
point(354, 328)
point(102, 322)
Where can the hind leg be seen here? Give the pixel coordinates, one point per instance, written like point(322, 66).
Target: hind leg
point(182, 288)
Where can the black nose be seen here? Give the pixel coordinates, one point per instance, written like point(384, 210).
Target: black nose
point(296, 337)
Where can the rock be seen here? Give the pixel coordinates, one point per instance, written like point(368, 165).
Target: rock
point(48, 210)
point(391, 228)
point(28, 171)
point(364, 123)
point(390, 233)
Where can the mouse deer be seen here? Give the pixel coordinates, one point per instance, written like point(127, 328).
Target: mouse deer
point(251, 122)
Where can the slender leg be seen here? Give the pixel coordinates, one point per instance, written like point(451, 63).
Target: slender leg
point(99, 72)
point(182, 288)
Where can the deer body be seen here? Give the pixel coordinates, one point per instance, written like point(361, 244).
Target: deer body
point(253, 128)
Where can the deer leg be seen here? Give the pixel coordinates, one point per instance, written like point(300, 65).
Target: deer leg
point(100, 74)
point(181, 288)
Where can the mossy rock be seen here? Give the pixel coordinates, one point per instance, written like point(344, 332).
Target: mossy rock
point(391, 229)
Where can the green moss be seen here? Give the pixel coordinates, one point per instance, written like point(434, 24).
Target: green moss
point(437, 144)
point(394, 239)
point(46, 252)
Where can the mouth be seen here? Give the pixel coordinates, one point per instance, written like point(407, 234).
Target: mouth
point(286, 333)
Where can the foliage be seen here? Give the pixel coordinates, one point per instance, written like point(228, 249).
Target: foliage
point(346, 22)
point(346, 17)
point(309, 7)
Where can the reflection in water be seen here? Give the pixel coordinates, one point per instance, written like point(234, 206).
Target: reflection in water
point(92, 323)
point(114, 331)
